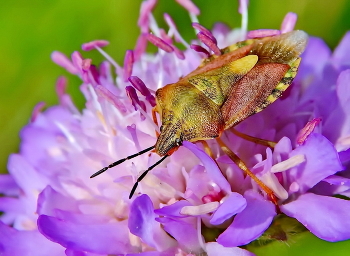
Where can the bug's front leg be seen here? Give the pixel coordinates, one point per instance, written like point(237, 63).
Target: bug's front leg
point(207, 149)
point(239, 162)
point(155, 120)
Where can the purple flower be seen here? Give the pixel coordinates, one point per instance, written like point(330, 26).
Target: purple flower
point(49, 199)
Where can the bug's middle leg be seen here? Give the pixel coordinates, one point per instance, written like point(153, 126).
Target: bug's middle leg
point(239, 162)
point(267, 143)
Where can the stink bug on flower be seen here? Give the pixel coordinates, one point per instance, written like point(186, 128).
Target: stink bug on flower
point(223, 91)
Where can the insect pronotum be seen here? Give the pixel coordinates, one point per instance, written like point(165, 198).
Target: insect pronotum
point(223, 91)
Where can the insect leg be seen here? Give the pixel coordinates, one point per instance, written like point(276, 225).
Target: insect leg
point(245, 169)
point(267, 143)
point(155, 120)
point(144, 175)
point(207, 149)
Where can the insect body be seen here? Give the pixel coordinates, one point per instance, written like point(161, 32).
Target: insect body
point(223, 91)
point(227, 89)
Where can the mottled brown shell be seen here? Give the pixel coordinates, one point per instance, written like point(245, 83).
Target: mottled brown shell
point(224, 90)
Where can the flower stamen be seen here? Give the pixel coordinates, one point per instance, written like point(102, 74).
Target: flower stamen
point(289, 21)
point(160, 43)
point(209, 42)
point(128, 64)
point(142, 88)
point(200, 209)
point(289, 163)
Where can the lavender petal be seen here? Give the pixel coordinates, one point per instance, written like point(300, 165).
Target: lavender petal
point(184, 232)
point(326, 217)
point(321, 161)
point(214, 249)
point(14, 242)
point(248, 225)
point(210, 165)
point(103, 238)
point(142, 223)
point(232, 205)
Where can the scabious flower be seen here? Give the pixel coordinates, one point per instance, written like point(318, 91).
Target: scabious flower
point(189, 204)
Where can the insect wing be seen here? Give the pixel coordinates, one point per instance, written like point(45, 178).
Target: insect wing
point(277, 66)
point(217, 83)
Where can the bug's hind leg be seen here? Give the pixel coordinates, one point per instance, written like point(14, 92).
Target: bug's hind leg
point(239, 162)
point(267, 143)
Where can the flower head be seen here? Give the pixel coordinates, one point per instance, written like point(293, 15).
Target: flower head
point(190, 203)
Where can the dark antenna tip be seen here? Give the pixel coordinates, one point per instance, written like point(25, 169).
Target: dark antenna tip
point(144, 175)
point(132, 192)
point(99, 172)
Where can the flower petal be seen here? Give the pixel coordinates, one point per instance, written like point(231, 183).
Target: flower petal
point(173, 210)
point(321, 161)
point(214, 249)
point(142, 223)
point(250, 223)
point(8, 185)
point(30, 243)
point(104, 238)
point(210, 165)
point(185, 233)
point(49, 200)
point(232, 205)
point(341, 53)
point(326, 217)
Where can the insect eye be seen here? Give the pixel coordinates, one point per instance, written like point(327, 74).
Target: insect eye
point(178, 142)
point(161, 128)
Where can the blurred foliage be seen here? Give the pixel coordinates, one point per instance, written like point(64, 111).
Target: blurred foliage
point(31, 30)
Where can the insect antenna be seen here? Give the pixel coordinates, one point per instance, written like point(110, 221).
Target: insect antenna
point(144, 175)
point(121, 161)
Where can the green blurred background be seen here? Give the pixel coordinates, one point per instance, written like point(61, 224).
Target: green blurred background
point(31, 30)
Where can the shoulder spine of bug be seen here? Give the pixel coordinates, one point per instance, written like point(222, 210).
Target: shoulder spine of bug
point(223, 91)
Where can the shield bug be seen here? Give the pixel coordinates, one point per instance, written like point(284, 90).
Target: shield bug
point(223, 91)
